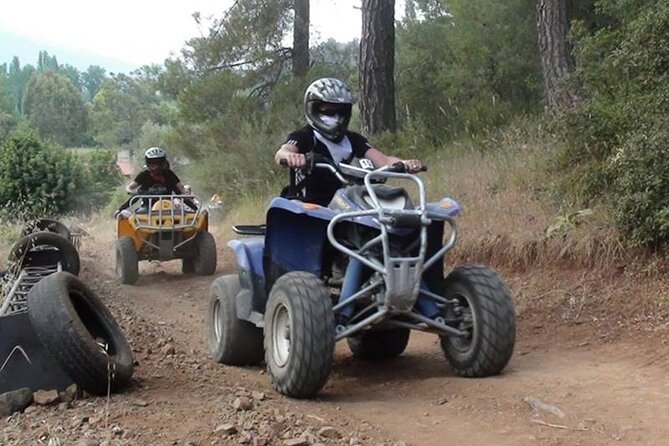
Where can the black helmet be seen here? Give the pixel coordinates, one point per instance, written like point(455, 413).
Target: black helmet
point(155, 158)
point(327, 106)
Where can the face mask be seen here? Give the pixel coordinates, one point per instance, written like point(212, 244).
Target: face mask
point(331, 120)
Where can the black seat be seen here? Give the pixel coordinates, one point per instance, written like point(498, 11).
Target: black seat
point(357, 194)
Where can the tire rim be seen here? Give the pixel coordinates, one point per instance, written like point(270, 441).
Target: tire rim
point(468, 322)
point(281, 335)
point(217, 320)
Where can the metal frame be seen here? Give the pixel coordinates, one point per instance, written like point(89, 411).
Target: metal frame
point(164, 214)
point(16, 300)
point(396, 284)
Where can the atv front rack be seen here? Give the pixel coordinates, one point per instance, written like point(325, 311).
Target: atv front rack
point(175, 218)
point(398, 279)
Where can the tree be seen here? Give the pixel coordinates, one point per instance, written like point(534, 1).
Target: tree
point(301, 38)
point(92, 80)
point(55, 108)
point(119, 110)
point(46, 62)
point(18, 80)
point(556, 58)
point(377, 65)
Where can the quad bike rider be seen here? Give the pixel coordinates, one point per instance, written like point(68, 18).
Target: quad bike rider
point(366, 266)
point(162, 221)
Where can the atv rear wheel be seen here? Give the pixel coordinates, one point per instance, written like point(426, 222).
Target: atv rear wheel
point(485, 309)
point(204, 262)
point(299, 335)
point(379, 344)
point(231, 341)
point(127, 268)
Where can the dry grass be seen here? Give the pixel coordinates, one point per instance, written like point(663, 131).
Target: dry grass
point(504, 190)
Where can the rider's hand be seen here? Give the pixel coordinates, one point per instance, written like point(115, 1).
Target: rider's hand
point(295, 160)
point(413, 166)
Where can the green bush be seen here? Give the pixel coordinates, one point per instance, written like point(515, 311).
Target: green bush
point(641, 172)
point(37, 178)
point(615, 152)
point(40, 179)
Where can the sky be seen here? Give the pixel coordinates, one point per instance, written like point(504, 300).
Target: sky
point(122, 35)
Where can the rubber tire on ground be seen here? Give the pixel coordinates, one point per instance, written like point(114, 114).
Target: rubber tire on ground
point(306, 301)
point(187, 266)
point(204, 262)
point(379, 344)
point(239, 342)
point(69, 256)
point(127, 263)
point(45, 225)
point(67, 318)
point(494, 327)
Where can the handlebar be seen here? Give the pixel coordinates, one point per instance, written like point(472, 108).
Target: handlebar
point(398, 167)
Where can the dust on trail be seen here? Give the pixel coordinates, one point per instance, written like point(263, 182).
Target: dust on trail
point(609, 392)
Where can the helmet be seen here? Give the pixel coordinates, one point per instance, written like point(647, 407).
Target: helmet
point(327, 106)
point(155, 158)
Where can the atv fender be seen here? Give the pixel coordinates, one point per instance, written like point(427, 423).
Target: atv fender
point(250, 301)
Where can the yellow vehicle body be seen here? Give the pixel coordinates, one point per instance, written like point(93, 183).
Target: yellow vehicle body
point(141, 227)
point(164, 229)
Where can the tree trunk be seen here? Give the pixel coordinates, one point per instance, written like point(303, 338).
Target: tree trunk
point(556, 59)
point(301, 38)
point(377, 66)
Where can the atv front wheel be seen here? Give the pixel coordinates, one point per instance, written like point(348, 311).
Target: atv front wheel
point(380, 343)
point(127, 263)
point(231, 341)
point(484, 309)
point(204, 262)
point(299, 335)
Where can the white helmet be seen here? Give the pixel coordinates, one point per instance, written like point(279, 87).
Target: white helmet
point(155, 158)
point(327, 107)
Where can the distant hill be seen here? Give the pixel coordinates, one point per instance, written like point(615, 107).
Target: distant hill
point(27, 50)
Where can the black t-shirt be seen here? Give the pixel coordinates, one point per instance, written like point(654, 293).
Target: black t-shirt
point(163, 183)
point(321, 186)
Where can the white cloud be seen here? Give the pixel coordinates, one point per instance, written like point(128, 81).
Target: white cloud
point(147, 31)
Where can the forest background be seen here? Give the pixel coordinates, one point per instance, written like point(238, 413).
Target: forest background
point(560, 105)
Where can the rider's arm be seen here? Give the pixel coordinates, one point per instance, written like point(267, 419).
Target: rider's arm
point(181, 189)
point(290, 153)
point(380, 159)
point(130, 187)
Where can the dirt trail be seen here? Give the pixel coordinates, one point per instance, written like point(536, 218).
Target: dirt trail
point(609, 392)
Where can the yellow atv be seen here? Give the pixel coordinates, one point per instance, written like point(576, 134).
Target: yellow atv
point(163, 227)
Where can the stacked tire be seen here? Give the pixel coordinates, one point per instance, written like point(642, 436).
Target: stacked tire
point(69, 319)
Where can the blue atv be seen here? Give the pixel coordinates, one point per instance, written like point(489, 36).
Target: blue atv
point(369, 269)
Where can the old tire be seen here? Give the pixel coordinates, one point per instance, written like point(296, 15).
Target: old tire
point(379, 343)
point(204, 262)
point(71, 322)
point(127, 263)
point(45, 225)
point(20, 256)
point(487, 311)
point(231, 341)
point(299, 335)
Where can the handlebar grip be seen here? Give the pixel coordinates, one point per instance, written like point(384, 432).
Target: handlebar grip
point(283, 162)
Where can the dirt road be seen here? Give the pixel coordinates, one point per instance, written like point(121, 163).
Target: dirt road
point(592, 391)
